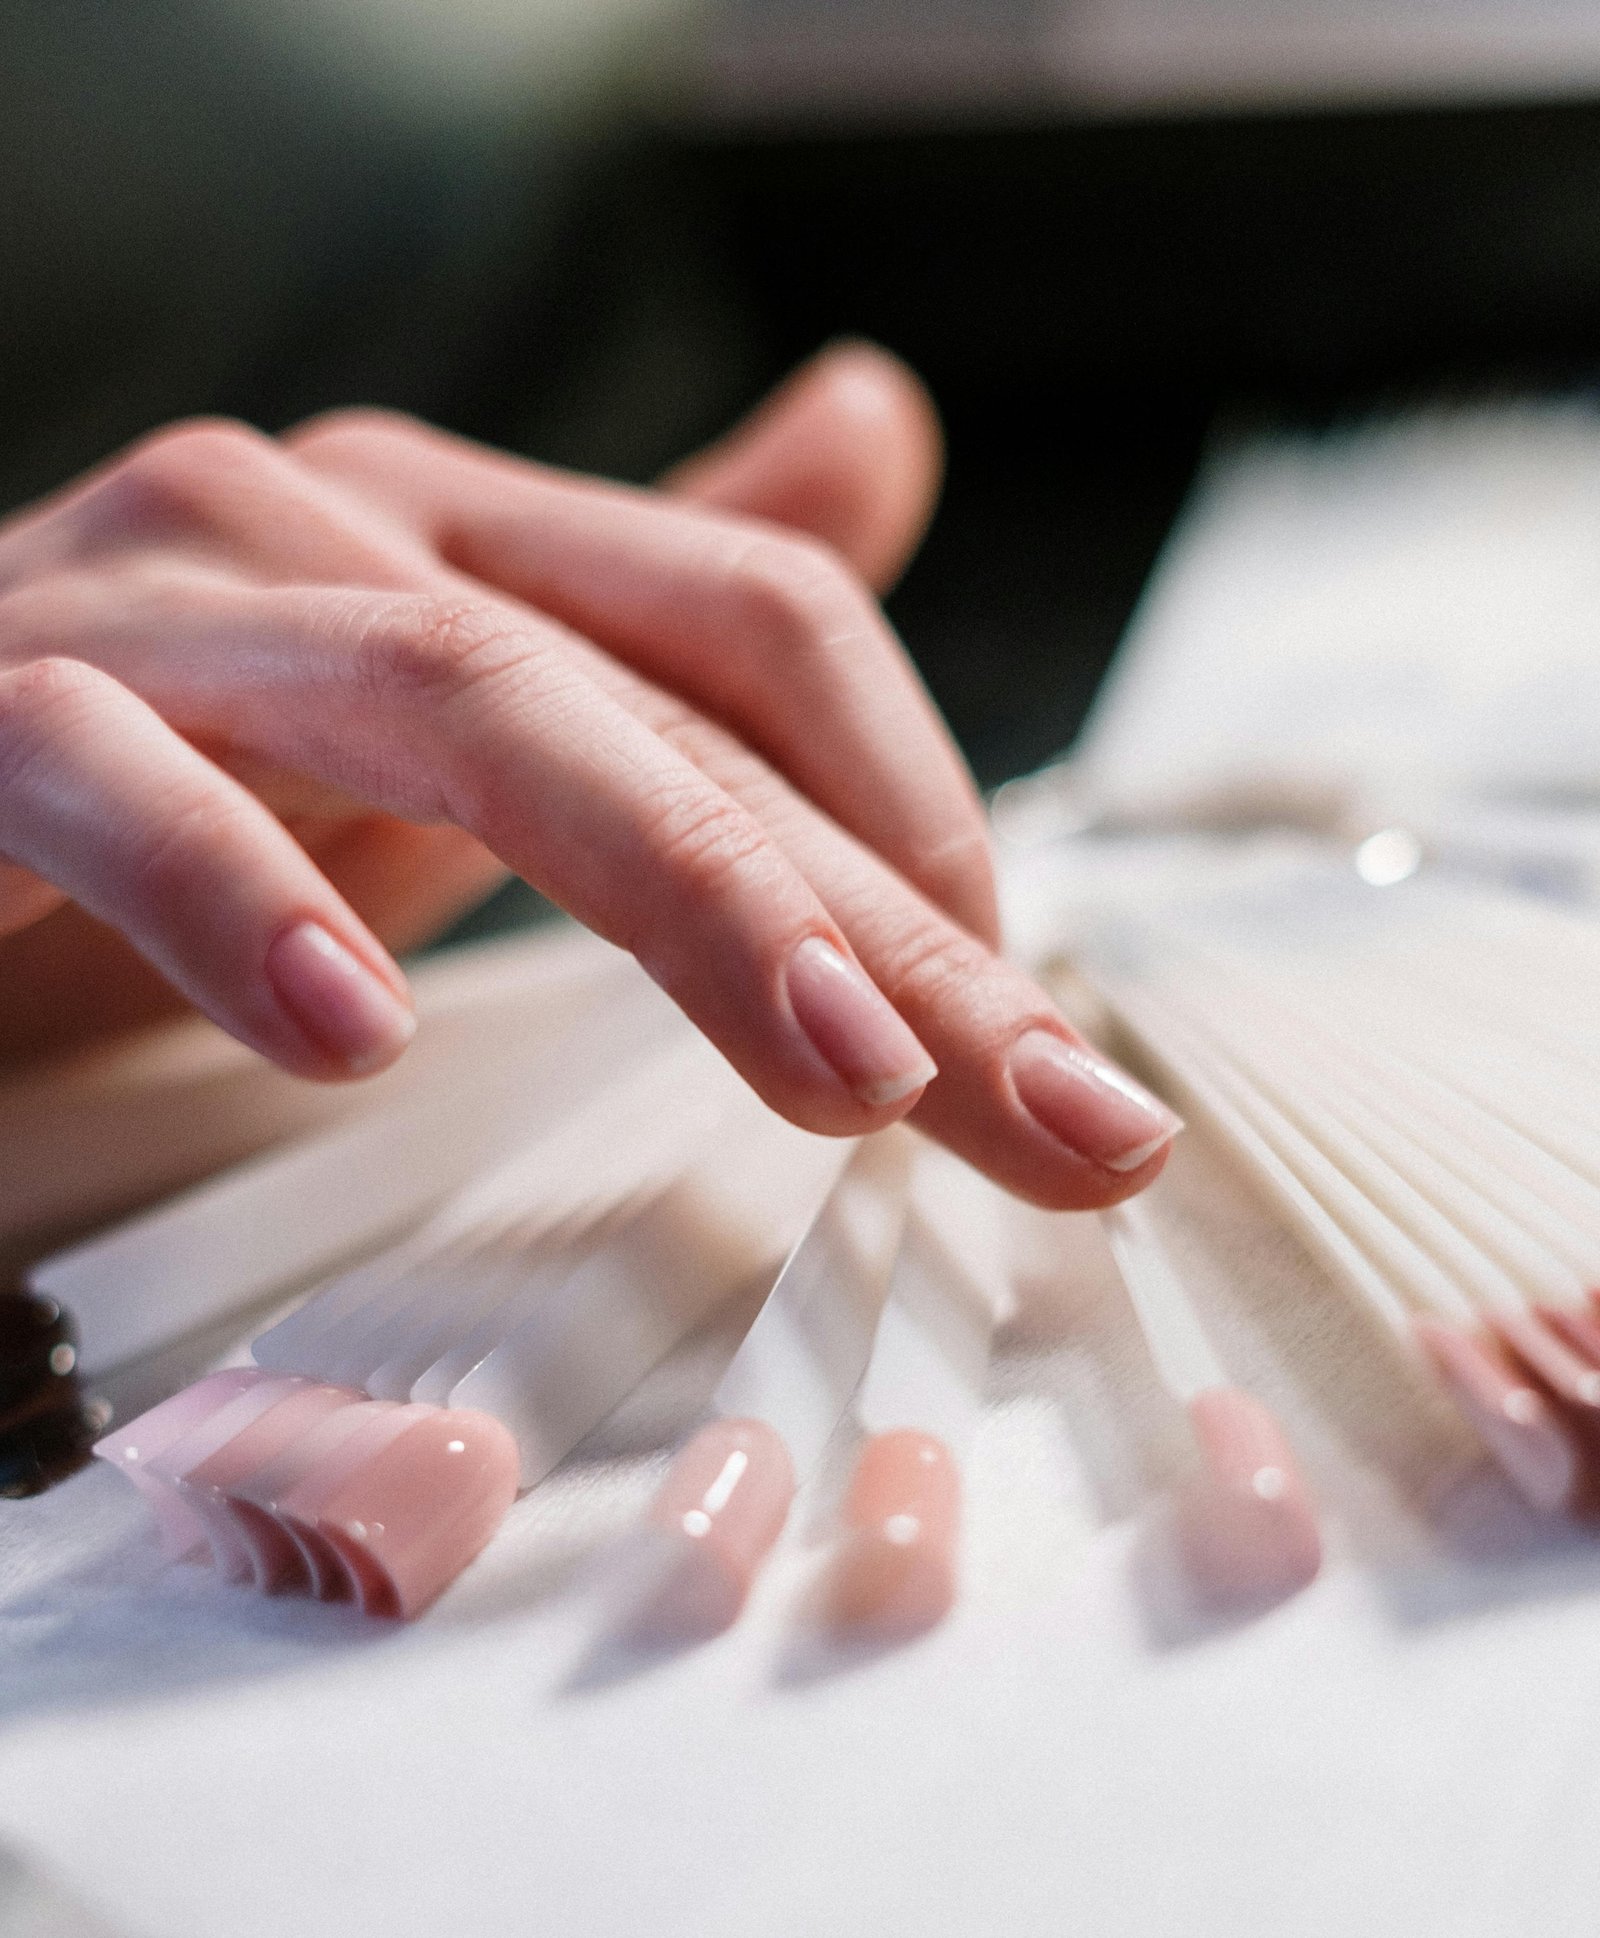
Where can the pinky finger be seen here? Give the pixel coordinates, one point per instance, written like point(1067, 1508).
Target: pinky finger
point(104, 801)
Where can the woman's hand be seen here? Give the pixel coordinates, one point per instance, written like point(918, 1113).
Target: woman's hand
point(248, 687)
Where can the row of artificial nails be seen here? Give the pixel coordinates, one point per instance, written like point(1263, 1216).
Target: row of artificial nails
point(295, 1486)
point(521, 1313)
point(891, 1324)
point(884, 1311)
point(297, 1483)
point(1398, 1071)
point(590, 1237)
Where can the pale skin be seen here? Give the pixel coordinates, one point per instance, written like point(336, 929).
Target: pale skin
point(274, 709)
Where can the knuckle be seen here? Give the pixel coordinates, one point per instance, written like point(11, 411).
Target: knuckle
point(353, 430)
point(40, 703)
point(931, 964)
point(427, 652)
point(180, 474)
point(697, 739)
point(796, 595)
point(701, 840)
point(950, 862)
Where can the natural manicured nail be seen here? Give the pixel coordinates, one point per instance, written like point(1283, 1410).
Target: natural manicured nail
point(853, 1028)
point(1089, 1104)
point(337, 1000)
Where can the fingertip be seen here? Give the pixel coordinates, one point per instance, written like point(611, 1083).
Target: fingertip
point(847, 449)
point(881, 391)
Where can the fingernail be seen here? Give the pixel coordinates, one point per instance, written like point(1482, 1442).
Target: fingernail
point(897, 1571)
point(1513, 1419)
point(337, 1000)
point(720, 1509)
point(852, 1027)
point(1247, 1524)
point(1088, 1103)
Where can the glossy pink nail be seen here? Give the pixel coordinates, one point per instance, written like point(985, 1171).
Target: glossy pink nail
point(320, 1460)
point(1549, 1357)
point(721, 1507)
point(1246, 1524)
point(276, 1563)
point(1515, 1421)
point(346, 1010)
point(1087, 1103)
point(897, 1570)
point(167, 1468)
point(853, 1027)
point(133, 1447)
point(410, 1517)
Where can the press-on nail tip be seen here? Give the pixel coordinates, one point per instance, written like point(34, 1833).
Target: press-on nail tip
point(154, 1430)
point(896, 1573)
point(1247, 1524)
point(1580, 1329)
point(408, 1514)
point(274, 1561)
point(1544, 1350)
point(1516, 1423)
point(143, 1449)
point(297, 1484)
point(720, 1509)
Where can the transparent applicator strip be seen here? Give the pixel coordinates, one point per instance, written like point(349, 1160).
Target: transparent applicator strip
point(1246, 1520)
point(544, 1299)
point(281, 1218)
point(296, 1483)
point(629, 1136)
point(299, 1482)
point(728, 1492)
point(920, 1400)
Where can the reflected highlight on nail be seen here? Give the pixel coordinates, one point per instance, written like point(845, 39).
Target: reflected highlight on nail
point(1515, 1421)
point(1247, 1524)
point(720, 1509)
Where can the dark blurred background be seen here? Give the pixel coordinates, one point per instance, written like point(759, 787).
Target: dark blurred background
point(593, 230)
